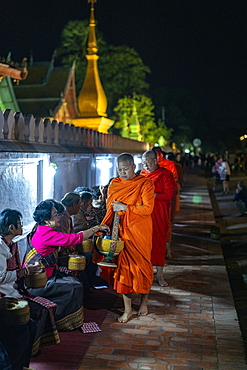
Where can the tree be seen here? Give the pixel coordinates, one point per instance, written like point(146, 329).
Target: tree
point(150, 131)
point(121, 69)
point(73, 47)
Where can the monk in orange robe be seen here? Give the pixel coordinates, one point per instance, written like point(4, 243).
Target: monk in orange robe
point(169, 165)
point(132, 196)
point(164, 186)
point(165, 163)
point(176, 200)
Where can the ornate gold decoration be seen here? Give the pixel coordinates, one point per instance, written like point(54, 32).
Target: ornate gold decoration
point(92, 101)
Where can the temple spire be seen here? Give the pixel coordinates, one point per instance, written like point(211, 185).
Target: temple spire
point(134, 126)
point(92, 41)
point(92, 101)
point(125, 129)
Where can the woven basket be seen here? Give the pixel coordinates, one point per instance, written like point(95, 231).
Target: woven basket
point(76, 263)
point(87, 246)
point(17, 315)
point(36, 280)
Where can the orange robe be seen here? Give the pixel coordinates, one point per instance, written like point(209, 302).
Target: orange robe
point(176, 207)
point(164, 186)
point(170, 165)
point(134, 273)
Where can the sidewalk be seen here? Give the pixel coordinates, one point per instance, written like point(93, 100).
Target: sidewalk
point(192, 323)
point(233, 241)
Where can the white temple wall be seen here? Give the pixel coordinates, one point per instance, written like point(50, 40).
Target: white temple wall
point(28, 178)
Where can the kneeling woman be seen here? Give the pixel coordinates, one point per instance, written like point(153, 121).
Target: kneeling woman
point(64, 290)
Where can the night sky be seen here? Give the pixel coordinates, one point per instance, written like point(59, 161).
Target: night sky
point(196, 45)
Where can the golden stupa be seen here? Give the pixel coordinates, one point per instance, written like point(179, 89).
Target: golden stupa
point(92, 101)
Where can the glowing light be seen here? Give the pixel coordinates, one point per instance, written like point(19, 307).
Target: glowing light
point(137, 160)
point(197, 199)
point(243, 137)
point(186, 150)
point(103, 166)
point(103, 163)
point(49, 171)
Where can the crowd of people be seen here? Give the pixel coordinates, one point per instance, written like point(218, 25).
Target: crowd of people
point(147, 203)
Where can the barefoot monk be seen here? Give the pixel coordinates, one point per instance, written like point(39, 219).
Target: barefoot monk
point(132, 196)
point(164, 186)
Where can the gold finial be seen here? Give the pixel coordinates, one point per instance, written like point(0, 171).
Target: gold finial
point(92, 1)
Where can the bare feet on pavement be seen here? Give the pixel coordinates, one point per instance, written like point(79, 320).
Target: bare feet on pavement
point(161, 281)
point(143, 310)
point(125, 317)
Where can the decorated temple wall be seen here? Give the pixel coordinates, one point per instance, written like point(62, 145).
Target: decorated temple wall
point(42, 159)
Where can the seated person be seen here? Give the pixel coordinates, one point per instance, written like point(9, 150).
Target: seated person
point(16, 341)
point(12, 285)
point(240, 199)
point(4, 359)
point(66, 291)
point(88, 216)
point(82, 221)
point(71, 204)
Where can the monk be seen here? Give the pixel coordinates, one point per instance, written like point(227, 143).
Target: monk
point(165, 163)
point(169, 165)
point(132, 196)
point(164, 186)
point(179, 168)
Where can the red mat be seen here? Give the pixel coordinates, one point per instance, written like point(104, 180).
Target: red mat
point(69, 353)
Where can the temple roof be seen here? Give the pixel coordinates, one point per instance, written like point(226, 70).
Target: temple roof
point(45, 89)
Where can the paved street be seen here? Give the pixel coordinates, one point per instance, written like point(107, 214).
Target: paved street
point(192, 323)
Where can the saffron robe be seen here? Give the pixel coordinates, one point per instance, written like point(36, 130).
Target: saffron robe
point(134, 273)
point(164, 186)
point(170, 165)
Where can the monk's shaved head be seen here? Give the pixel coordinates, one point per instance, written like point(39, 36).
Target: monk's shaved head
point(126, 166)
point(125, 157)
point(159, 154)
point(150, 154)
point(149, 161)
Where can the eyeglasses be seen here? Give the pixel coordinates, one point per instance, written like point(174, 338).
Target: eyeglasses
point(144, 163)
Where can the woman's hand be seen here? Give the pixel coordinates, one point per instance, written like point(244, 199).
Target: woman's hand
point(90, 232)
point(7, 302)
point(104, 228)
point(118, 206)
point(34, 269)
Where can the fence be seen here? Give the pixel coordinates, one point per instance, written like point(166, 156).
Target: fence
point(14, 128)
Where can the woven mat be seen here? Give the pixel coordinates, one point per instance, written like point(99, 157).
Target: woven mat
point(90, 327)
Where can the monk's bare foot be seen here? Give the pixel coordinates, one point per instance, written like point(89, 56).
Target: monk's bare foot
point(125, 317)
point(161, 281)
point(143, 310)
point(168, 250)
